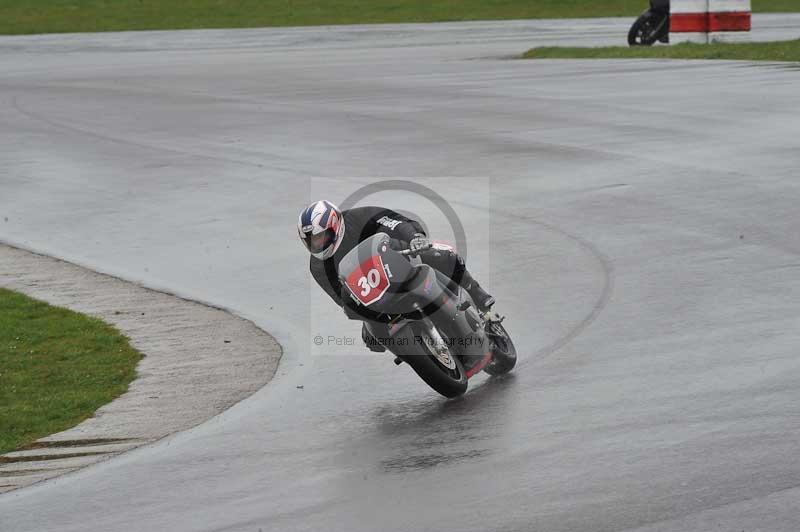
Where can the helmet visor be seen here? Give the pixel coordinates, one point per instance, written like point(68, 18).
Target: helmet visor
point(320, 241)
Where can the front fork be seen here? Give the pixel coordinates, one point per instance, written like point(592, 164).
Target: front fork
point(474, 357)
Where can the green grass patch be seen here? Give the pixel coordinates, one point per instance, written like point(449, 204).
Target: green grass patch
point(48, 16)
point(766, 51)
point(56, 368)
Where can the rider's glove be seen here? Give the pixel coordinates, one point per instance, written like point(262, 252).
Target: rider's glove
point(420, 242)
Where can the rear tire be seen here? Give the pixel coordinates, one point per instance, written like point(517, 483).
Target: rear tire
point(446, 381)
point(504, 354)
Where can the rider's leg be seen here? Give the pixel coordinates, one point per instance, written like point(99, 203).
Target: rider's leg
point(372, 343)
point(452, 265)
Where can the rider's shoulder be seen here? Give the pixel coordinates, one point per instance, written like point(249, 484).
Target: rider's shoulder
point(367, 210)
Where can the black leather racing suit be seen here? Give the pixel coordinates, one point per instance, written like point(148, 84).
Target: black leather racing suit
point(361, 223)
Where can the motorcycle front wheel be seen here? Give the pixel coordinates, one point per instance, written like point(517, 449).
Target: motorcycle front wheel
point(646, 30)
point(443, 372)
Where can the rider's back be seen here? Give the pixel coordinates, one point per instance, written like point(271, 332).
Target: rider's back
point(360, 223)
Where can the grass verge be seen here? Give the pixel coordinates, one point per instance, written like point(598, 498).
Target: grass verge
point(767, 51)
point(49, 16)
point(56, 368)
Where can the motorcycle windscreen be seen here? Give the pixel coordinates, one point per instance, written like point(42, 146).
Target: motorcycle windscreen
point(375, 274)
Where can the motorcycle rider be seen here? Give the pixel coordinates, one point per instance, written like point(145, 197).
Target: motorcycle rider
point(329, 234)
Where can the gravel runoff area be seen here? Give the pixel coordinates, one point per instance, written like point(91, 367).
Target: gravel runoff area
point(198, 361)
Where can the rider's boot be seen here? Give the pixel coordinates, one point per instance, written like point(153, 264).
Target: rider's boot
point(482, 299)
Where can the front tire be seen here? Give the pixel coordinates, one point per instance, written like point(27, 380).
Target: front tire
point(645, 31)
point(448, 381)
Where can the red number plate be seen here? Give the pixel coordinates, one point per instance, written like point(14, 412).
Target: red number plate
point(369, 281)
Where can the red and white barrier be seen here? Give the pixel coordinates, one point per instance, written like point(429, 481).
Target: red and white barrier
point(729, 20)
point(688, 21)
point(706, 21)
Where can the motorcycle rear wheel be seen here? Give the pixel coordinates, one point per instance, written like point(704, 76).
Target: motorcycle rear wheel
point(503, 350)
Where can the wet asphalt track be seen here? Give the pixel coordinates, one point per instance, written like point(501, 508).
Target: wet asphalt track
point(638, 222)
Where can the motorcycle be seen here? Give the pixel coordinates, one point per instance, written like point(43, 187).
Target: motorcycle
point(651, 26)
point(423, 317)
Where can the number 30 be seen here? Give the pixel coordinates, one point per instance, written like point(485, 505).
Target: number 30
point(369, 281)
